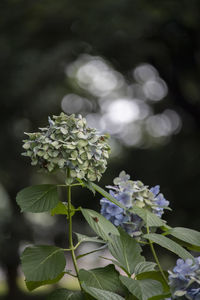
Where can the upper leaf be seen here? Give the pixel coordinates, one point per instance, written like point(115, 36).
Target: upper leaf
point(99, 224)
point(106, 278)
point(92, 251)
point(87, 184)
point(38, 198)
point(187, 235)
point(61, 209)
point(84, 238)
point(126, 251)
point(40, 263)
point(148, 217)
point(142, 289)
point(168, 244)
point(107, 195)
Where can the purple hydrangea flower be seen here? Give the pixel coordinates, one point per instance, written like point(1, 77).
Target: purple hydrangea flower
point(159, 200)
point(184, 281)
point(131, 193)
point(194, 293)
point(111, 211)
point(131, 223)
point(155, 190)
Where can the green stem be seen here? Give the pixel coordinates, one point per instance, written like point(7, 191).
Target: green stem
point(71, 246)
point(156, 258)
point(64, 185)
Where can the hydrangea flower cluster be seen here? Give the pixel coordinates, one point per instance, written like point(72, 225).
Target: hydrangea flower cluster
point(131, 193)
point(184, 281)
point(67, 143)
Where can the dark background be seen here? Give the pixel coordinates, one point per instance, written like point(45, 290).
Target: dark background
point(38, 41)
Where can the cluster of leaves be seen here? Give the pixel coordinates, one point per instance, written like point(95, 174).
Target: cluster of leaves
point(67, 143)
point(47, 264)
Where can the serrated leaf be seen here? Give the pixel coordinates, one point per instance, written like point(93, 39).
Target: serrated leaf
point(38, 198)
point(145, 266)
point(168, 244)
point(106, 278)
point(99, 224)
point(142, 289)
point(115, 262)
point(155, 275)
point(32, 285)
point(101, 294)
point(84, 238)
point(126, 251)
point(41, 263)
point(63, 294)
point(186, 245)
point(187, 235)
point(107, 195)
point(148, 217)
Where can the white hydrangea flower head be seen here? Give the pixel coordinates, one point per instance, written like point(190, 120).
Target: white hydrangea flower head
point(68, 144)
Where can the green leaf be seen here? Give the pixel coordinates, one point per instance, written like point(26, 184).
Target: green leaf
point(87, 184)
point(32, 285)
point(155, 275)
point(41, 263)
point(107, 195)
point(145, 266)
point(186, 245)
point(187, 235)
point(84, 238)
point(99, 224)
point(101, 294)
point(148, 217)
point(142, 289)
point(163, 296)
point(168, 244)
point(126, 251)
point(61, 209)
point(38, 198)
point(63, 294)
point(115, 262)
point(90, 252)
point(131, 297)
point(106, 278)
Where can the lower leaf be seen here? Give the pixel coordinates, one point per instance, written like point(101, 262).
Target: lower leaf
point(63, 294)
point(41, 263)
point(106, 278)
point(142, 289)
point(32, 285)
point(155, 275)
point(100, 294)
